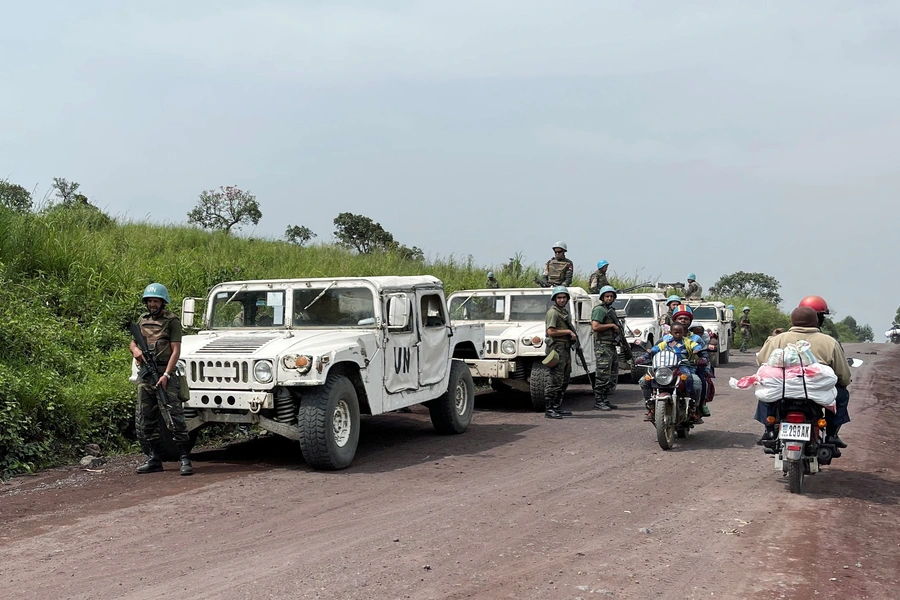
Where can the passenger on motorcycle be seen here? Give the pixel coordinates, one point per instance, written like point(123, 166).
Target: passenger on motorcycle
point(684, 316)
point(704, 367)
point(805, 323)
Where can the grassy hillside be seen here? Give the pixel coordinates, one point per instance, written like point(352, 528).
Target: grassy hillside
point(70, 281)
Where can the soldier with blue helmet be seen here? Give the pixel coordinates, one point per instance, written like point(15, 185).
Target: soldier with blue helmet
point(598, 278)
point(162, 330)
point(492, 282)
point(693, 291)
point(605, 327)
point(561, 337)
point(669, 316)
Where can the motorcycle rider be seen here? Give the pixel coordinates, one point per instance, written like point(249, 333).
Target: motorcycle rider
point(685, 349)
point(605, 329)
point(560, 338)
point(805, 323)
point(893, 334)
point(559, 270)
point(684, 316)
point(598, 278)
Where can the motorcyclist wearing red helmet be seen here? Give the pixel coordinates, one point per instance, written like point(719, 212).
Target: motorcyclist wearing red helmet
point(803, 327)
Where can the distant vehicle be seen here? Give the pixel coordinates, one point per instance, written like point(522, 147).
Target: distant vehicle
point(719, 322)
point(515, 336)
point(640, 314)
point(303, 358)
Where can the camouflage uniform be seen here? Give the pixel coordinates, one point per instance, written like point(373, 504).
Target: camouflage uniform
point(606, 354)
point(492, 283)
point(558, 318)
point(694, 291)
point(160, 331)
point(597, 281)
point(745, 332)
point(559, 271)
point(667, 318)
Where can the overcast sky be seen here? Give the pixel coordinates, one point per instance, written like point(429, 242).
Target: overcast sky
point(665, 137)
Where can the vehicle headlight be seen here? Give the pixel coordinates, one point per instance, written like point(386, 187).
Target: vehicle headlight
point(302, 362)
point(508, 346)
point(537, 341)
point(636, 332)
point(663, 376)
point(526, 341)
point(262, 371)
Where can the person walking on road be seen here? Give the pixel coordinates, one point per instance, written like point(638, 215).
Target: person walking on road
point(492, 283)
point(598, 278)
point(162, 330)
point(746, 329)
point(606, 353)
point(560, 338)
point(559, 270)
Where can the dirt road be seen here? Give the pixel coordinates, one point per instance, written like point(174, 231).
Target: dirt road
point(518, 507)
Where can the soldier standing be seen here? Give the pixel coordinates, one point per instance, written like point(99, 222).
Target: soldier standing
point(693, 291)
point(746, 329)
point(668, 317)
point(162, 330)
point(559, 270)
point(605, 327)
point(491, 282)
point(598, 278)
point(560, 337)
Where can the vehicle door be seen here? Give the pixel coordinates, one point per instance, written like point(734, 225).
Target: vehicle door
point(434, 337)
point(401, 357)
point(580, 309)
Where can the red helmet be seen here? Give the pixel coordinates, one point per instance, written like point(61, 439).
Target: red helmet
point(817, 303)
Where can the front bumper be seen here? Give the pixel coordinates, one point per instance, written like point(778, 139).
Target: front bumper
point(500, 368)
point(231, 400)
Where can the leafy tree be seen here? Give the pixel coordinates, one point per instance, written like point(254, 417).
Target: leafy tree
point(748, 285)
point(14, 196)
point(67, 192)
point(75, 205)
point(224, 208)
point(361, 233)
point(298, 234)
point(863, 333)
point(840, 331)
point(406, 253)
point(897, 316)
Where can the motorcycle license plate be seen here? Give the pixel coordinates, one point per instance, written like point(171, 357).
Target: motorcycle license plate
point(795, 431)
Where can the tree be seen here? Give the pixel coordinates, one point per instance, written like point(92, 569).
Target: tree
point(897, 316)
point(863, 333)
point(362, 234)
point(406, 253)
point(748, 285)
point(298, 234)
point(14, 197)
point(67, 192)
point(224, 208)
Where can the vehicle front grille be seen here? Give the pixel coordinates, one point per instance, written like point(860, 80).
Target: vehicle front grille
point(243, 344)
point(230, 373)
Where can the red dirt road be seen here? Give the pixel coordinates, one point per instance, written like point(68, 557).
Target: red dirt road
point(518, 507)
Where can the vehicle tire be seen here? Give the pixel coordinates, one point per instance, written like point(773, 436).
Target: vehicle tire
point(452, 412)
point(328, 420)
point(665, 425)
point(540, 377)
point(169, 450)
point(795, 476)
point(724, 357)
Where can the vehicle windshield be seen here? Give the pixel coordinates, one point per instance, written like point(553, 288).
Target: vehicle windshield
point(333, 307)
point(635, 308)
point(477, 308)
point(532, 307)
point(248, 308)
point(706, 313)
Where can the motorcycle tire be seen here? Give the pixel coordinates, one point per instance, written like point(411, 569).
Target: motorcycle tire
point(795, 477)
point(665, 425)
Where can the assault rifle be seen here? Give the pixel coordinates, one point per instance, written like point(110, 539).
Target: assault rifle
point(542, 282)
point(621, 340)
point(149, 373)
point(635, 287)
point(662, 285)
point(579, 352)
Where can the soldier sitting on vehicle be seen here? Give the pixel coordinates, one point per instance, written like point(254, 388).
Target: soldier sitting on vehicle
point(559, 270)
point(598, 278)
point(492, 283)
point(693, 291)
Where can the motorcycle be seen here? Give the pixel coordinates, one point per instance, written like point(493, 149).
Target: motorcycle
point(669, 402)
point(800, 446)
point(893, 334)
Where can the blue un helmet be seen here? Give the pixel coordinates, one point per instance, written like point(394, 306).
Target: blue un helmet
point(490, 274)
point(560, 289)
point(730, 307)
point(692, 277)
point(673, 298)
point(608, 288)
point(156, 290)
point(602, 264)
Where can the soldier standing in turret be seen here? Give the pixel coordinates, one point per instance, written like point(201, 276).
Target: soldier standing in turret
point(598, 278)
point(559, 270)
point(492, 283)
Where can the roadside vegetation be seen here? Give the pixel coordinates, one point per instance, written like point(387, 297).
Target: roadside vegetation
point(71, 278)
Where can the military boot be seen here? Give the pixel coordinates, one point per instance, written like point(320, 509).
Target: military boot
point(602, 404)
point(552, 411)
point(154, 462)
point(186, 467)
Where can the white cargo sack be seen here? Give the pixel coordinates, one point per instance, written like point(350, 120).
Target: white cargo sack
point(792, 372)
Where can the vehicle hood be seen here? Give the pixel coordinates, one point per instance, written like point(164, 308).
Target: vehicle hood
point(513, 331)
point(271, 344)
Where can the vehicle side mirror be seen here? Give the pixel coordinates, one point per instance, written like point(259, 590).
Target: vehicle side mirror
point(398, 312)
point(188, 306)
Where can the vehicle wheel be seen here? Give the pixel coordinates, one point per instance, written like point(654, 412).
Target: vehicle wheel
point(328, 419)
point(795, 476)
point(724, 356)
point(452, 412)
point(540, 377)
point(665, 426)
point(168, 448)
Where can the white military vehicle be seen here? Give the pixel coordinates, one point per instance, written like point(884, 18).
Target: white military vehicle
point(641, 314)
point(303, 358)
point(718, 321)
point(515, 336)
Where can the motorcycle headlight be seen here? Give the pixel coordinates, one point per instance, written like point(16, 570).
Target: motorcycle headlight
point(262, 371)
point(508, 346)
point(663, 375)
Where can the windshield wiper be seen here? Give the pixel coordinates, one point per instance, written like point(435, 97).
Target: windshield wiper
point(316, 299)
